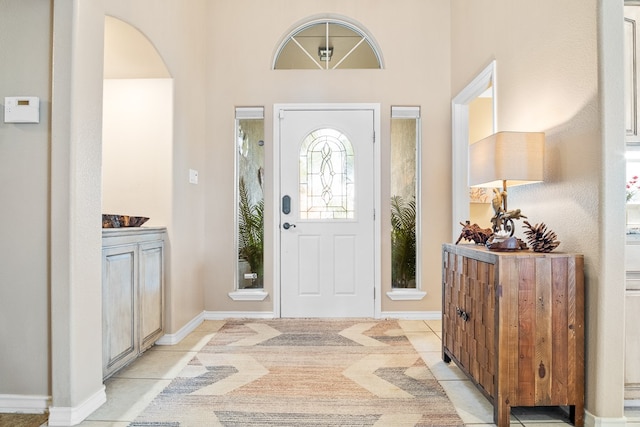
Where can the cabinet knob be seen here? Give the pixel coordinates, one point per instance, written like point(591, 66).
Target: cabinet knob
point(462, 314)
point(542, 371)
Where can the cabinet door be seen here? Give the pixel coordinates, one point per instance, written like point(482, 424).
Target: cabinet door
point(450, 339)
point(119, 300)
point(469, 299)
point(481, 307)
point(632, 347)
point(151, 292)
point(632, 333)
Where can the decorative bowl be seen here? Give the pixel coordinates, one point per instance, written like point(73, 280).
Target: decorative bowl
point(117, 221)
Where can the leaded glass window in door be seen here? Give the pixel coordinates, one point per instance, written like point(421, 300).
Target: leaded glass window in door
point(327, 176)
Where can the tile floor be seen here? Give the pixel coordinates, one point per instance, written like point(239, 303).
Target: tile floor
point(131, 389)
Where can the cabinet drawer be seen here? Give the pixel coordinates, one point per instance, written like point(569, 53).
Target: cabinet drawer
point(632, 339)
point(632, 257)
point(633, 281)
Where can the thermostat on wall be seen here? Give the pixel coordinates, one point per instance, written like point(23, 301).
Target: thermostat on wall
point(21, 109)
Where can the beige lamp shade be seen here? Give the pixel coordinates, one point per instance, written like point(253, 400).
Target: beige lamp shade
point(507, 158)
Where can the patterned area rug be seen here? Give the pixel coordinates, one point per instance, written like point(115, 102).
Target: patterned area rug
point(304, 372)
point(23, 420)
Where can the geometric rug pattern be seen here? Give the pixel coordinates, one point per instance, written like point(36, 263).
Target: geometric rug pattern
point(304, 372)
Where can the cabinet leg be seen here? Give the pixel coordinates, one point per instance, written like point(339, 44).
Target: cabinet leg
point(501, 414)
point(576, 415)
point(445, 358)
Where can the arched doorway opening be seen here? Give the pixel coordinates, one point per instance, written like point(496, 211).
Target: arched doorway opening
point(137, 130)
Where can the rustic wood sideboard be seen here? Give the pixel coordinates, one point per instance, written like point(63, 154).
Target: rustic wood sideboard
point(514, 323)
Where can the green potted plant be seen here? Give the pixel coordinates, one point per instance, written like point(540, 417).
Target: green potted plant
point(403, 242)
point(251, 233)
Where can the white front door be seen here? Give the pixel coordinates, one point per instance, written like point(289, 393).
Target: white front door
point(327, 242)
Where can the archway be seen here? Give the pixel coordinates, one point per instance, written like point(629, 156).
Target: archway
point(137, 130)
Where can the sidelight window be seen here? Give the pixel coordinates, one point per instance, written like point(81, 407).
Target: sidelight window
point(405, 201)
point(249, 149)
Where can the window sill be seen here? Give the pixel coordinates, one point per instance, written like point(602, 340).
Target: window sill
point(406, 295)
point(248, 295)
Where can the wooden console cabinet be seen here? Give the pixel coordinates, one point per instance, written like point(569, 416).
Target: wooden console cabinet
point(132, 293)
point(514, 323)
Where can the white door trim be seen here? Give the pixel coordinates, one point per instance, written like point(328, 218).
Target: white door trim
point(275, 155)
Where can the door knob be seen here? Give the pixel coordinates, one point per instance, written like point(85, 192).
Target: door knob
point(286, 225)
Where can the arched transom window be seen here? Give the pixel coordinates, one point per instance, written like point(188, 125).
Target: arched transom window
point(327, 44)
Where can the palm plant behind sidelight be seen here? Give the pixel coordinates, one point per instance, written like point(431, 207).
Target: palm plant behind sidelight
point(251, 231)
point(403, 242)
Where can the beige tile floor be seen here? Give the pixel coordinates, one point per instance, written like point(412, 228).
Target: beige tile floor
point(131, 389)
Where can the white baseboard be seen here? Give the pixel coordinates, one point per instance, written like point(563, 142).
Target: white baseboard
point(412, 315)
point(591, 420)
point(408, 315)
point(24, 404)
point(222, 315)
point(172, 339)
point(70, 416)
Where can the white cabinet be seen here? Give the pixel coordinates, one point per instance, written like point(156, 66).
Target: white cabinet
point(631, 52)
point(632, 346)
point(151, 292)
point(132, 293)
point(632, 138)
point(632, 308)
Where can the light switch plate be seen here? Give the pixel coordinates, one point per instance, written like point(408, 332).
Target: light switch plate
point(193, 176)
point(21, 109)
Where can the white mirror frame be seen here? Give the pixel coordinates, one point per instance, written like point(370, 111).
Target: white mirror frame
point(460, 142)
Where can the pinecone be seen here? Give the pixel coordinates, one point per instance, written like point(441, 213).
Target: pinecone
point(539, 238)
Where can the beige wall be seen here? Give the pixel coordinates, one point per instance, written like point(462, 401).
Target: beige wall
point(75, 263)
point(178, 33)
point(547, 80)
point(52, 297)
point(241, 46)
point(219, 55)
point(137, 148)
point(239, 74)
point(24, 172)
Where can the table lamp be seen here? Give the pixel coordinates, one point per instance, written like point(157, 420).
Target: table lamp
point(506, 159)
